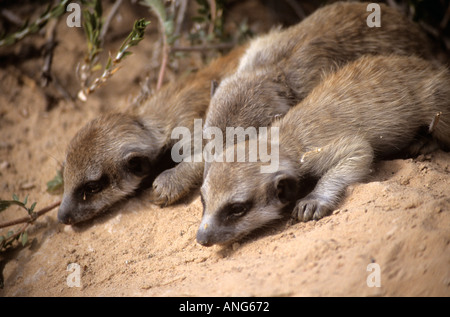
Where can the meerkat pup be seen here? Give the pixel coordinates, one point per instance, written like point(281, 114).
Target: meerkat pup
point(114, 155)
point(370, 108)
point(280, 68)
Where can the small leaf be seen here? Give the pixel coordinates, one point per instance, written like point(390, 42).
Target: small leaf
point(96, 67)
point(55, 186)
point(126, 53)
point(98, 8)
point(9, 234)
point(32, 207)
point(25, 200)
point(4, 204)
point(109, 62)
point(24, 238)
point(14, 196)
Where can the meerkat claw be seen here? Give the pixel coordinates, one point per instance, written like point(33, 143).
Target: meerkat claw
point(310, 209)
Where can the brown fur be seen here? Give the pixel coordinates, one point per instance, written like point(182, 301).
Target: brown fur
point(279, 70)
point(368, 109)
point(111, 156)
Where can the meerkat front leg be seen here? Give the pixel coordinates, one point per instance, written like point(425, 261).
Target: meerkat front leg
point(174, 183)
point(338, 165)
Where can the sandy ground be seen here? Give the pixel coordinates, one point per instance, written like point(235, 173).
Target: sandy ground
point(399, 220)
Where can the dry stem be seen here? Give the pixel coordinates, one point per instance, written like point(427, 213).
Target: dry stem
point(29, 219)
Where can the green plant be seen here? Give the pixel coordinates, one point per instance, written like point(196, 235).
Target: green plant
point(56, 185)
point(92, 25)
point(210, 14)
point(168, 37)
point(136, 35)
point(22, 234)
point(34, 27)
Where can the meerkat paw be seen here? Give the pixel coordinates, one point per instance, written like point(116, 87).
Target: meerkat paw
point(310, 208)
point(166, 188)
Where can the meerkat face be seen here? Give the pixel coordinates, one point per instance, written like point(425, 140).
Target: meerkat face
point(106, 162)
point(237, 199)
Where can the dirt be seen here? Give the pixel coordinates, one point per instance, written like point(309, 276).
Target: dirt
point(399, 220)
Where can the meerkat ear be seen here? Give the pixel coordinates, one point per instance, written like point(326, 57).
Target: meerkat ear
point(286, 187)
point(137, 164)
point(214, 85)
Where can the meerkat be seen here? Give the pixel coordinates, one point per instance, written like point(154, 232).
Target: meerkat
point(280, 68)
point(369, 109)
point(116, 154)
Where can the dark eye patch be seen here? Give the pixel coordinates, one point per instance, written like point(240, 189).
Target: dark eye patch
point(93, 187)
point(236, 210)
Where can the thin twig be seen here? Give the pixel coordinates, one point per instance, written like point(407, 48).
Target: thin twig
point(34, 27)
point(62, 90)
point(108, 20)
point(136, 35)
point(19, 232)
point(165, 58)
point(144, 94)
point(48, 53)
point(165, 48)
point(11, 17)
point(180, 16)
point(213, 10)
point(29, 219)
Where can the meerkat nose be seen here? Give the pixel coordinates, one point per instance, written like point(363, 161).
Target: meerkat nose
point(65, 218)
point(203, 238)
point(64, 214)
point(204, 235)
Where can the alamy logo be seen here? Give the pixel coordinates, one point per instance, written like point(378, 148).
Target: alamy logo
point(73, 19)
point(374, 278)
point(374, 19)
point(74, 278)
point(258, 147)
